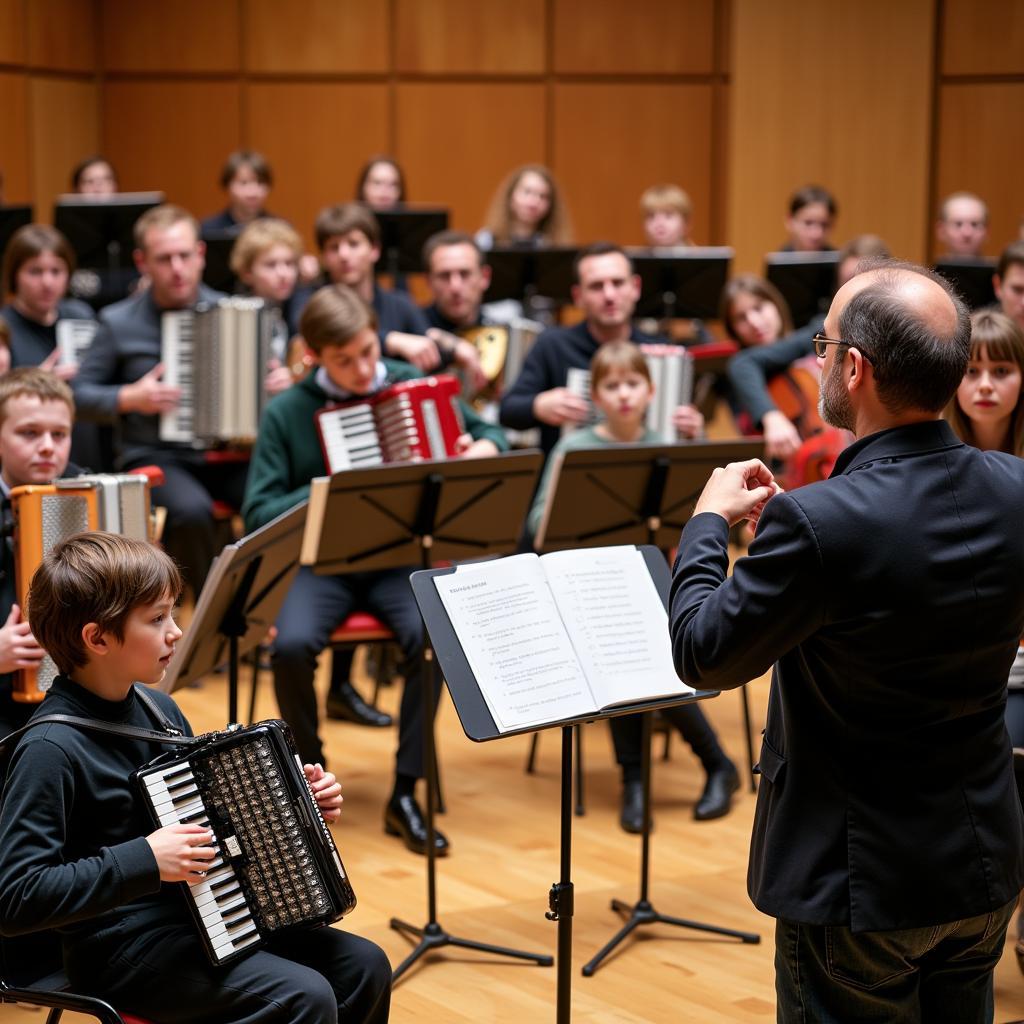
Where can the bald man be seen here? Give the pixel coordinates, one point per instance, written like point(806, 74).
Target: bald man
point(888, 835)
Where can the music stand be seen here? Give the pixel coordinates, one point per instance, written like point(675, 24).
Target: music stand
point(412, 513)
point(646, 497)
point(555, 273)
point(12, 218)
point(479, 725)
point(239, 602)
point(523, 272)
point(972, 278)
point(807, 281)
point(686, 282)
point(404, 231)
point(217, 272)
point(100, 230)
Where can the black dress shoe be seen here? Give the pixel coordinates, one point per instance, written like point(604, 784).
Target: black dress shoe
point(631, 816)
point(716, 800)
point(403, 817)
point(345, 704)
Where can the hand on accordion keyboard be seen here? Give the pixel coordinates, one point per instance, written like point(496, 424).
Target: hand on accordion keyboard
point(18, 647)
point(65, 371)
point(149, 395)
point(326, 791)
point(688, 420)
point(182, 852)
point(560, 405)
point(279, 378)
point(422, 352)
point(467, 448)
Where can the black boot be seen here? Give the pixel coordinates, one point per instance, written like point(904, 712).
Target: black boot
point(344, 703)
point(716, 800)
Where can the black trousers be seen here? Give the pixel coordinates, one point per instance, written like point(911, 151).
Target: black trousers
point(310, 977)
point(191, 484)
point(315, 605)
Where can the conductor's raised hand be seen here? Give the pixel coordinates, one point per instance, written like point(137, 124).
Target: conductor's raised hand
point(558, 406)
point(149, 395)
point(182, 852)
point(326, 790)
point(734, 491)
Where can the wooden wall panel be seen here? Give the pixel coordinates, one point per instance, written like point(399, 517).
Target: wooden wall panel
point(458, 142)
point(456, 36)
point(983, 37)
point(316, 137)
point(613, 141)
point(14, 159)
point(855, 118)
point(13, 40)
point(62, 34)
point(187, 35)
point(981, 150)
point(316, 36)
point(172, 135)
point(652, 37)
point(74, 107)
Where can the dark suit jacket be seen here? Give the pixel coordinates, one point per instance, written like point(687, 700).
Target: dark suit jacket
point(890, 600)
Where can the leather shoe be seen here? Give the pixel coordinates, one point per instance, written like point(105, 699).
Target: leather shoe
point(716, 800)
point(403, 817)
point(345, 704)
point(631, 815)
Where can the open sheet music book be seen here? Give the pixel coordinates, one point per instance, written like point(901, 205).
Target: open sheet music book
point(562, 635)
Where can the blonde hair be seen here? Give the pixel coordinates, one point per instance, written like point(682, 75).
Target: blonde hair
point(617, 355)
point(260, 236)
point(554, 227)
point(161, 218)
point(334, 316)
point(670, 198)
point(30, 380)
point(995, 335)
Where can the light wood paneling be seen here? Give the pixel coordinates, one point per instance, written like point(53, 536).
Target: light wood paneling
point(855, 118)
point(457, 142)
point(13, 42)
point(75, 107)
point(613, 141)
point(306, 36)
point(454, 36)
point(983, 37)
point(316, 137)
point(173, 136)
point(14, 161)
point(187, 35)
point(648, 37)
point(981, 150)
point(62, 34)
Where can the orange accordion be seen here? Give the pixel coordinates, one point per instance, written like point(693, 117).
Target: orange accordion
point(45, 514)
point(413, 421)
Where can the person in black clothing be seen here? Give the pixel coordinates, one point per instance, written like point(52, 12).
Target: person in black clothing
point(77, 853)
point(246, 177)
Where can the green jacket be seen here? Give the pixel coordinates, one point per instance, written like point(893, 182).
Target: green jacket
point(288, 456)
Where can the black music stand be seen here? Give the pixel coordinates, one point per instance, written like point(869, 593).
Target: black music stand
point(684, 282)
point(404, 231)
point(409, 513)
point(217, 272)
point(12, 218)
point(239, 602)
point(649, 494)
point(807, 281)
point(972, 278)
point(479, 725)
point(100, 229)
point(524, 272)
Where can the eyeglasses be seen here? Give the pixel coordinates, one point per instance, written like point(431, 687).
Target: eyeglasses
point(821, 344)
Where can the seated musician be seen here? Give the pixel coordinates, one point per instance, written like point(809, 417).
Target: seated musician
point(94, 176)
point(962, 226)
point(1008, 282)
point(37, 413)
point(78, 854)
point(119, 380)
point(246, 178)
point(606, 290)
point(340, 328)
point(668, 212)
point(812, 215)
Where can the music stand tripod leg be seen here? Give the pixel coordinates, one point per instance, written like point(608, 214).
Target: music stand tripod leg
point(643, 911)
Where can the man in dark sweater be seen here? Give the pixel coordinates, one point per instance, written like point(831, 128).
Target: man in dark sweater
point(120, 379)
point(77, 853)
point(339, 327)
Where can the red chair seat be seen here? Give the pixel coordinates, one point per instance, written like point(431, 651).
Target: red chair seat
point(360, 627)
point(129, 1019)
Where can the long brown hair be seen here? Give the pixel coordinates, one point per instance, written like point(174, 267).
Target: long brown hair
point(554, 228)
point(751, 284)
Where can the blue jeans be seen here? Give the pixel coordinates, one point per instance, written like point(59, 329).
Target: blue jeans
point(826, 974)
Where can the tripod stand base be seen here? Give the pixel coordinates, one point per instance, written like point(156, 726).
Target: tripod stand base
point(432, 936)
point(642, 913)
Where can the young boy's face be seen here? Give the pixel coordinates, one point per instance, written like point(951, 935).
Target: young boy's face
point(35, 440)
point(349, 258)
point(665, 227)
point(623, 396)
point(150, 634)
point(274, 273)
point(353, 366)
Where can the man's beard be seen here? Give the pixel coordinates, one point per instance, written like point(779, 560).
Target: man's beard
point(834, 399)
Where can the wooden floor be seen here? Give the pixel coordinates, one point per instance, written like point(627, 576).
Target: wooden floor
point(503, 826)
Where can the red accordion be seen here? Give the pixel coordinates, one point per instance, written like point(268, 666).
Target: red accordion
point(412, 421)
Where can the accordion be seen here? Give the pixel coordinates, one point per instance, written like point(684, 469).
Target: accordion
point(277, 868)
point(218, 356)
point(73, 339)
point(45, 514)
point(502, 350)
point(412, 421)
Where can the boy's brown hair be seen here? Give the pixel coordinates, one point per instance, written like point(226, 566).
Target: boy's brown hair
point(31, 380)
point(94, 577)
point(334, 316)
point(617, 355)
point(343, 218)
point(256, 162)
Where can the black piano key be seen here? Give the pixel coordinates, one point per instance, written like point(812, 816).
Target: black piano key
point(238, 939)
point(231, 879)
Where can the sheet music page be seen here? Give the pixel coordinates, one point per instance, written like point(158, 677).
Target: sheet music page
point(618, 625)
point(508, 625)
